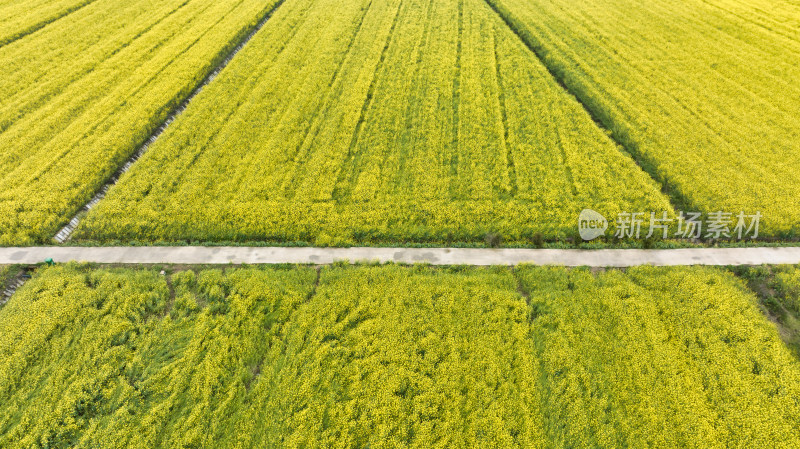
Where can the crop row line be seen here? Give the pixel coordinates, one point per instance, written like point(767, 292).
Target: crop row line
point(352, 152)
point(39, 25)
point(40, 100)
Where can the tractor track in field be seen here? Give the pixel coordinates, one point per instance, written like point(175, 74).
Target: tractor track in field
point(65, 233)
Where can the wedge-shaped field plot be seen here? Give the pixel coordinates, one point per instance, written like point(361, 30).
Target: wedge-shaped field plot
point(81, 94)
point(703, 93)
point(371, 122)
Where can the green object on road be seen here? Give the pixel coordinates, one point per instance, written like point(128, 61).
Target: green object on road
point(49, 261)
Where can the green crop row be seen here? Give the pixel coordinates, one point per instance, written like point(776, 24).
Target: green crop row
point(702, 93)
point(373, 122)
point(390, 356)
point(82, 94)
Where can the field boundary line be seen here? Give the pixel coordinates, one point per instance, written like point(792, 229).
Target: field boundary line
point(65, 233)
point(222, 255)
point(601, 117)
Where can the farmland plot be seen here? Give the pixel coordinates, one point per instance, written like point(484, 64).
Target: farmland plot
point(704, 93)
point(649, 358)
point(408, 357)
point(370, 122)
point(132, 361)
point(623, 355)
point(80, 95)
point(391, 356)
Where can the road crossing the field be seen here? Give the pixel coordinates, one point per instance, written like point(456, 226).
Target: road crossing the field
point(201, 255)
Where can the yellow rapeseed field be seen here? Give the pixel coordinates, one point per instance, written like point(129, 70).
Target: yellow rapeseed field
point(18, 18)
point(393, 356)
point(80, 95)
point(375, 122)
point(703, 92)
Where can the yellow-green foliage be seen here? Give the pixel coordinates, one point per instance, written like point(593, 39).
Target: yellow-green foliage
point(81, 94)
point(108, 358)
point(392, 357)
point(21, 17)
point(409, 357)
point(787, 282)
point(704, 92)
point(367, 122)
point(659, 358)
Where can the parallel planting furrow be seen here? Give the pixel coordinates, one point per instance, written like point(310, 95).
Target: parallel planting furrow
point(391, 356)
point(782, 17)
point(512, 175)
point(19, 18)
point(701, 93)
point(75, 113)
point(47, 74)
point(412, 121)
point(346, 175)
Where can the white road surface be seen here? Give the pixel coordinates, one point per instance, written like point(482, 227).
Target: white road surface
point(435, 256)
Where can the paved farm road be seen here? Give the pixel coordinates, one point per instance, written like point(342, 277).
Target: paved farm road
point(435, 256)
